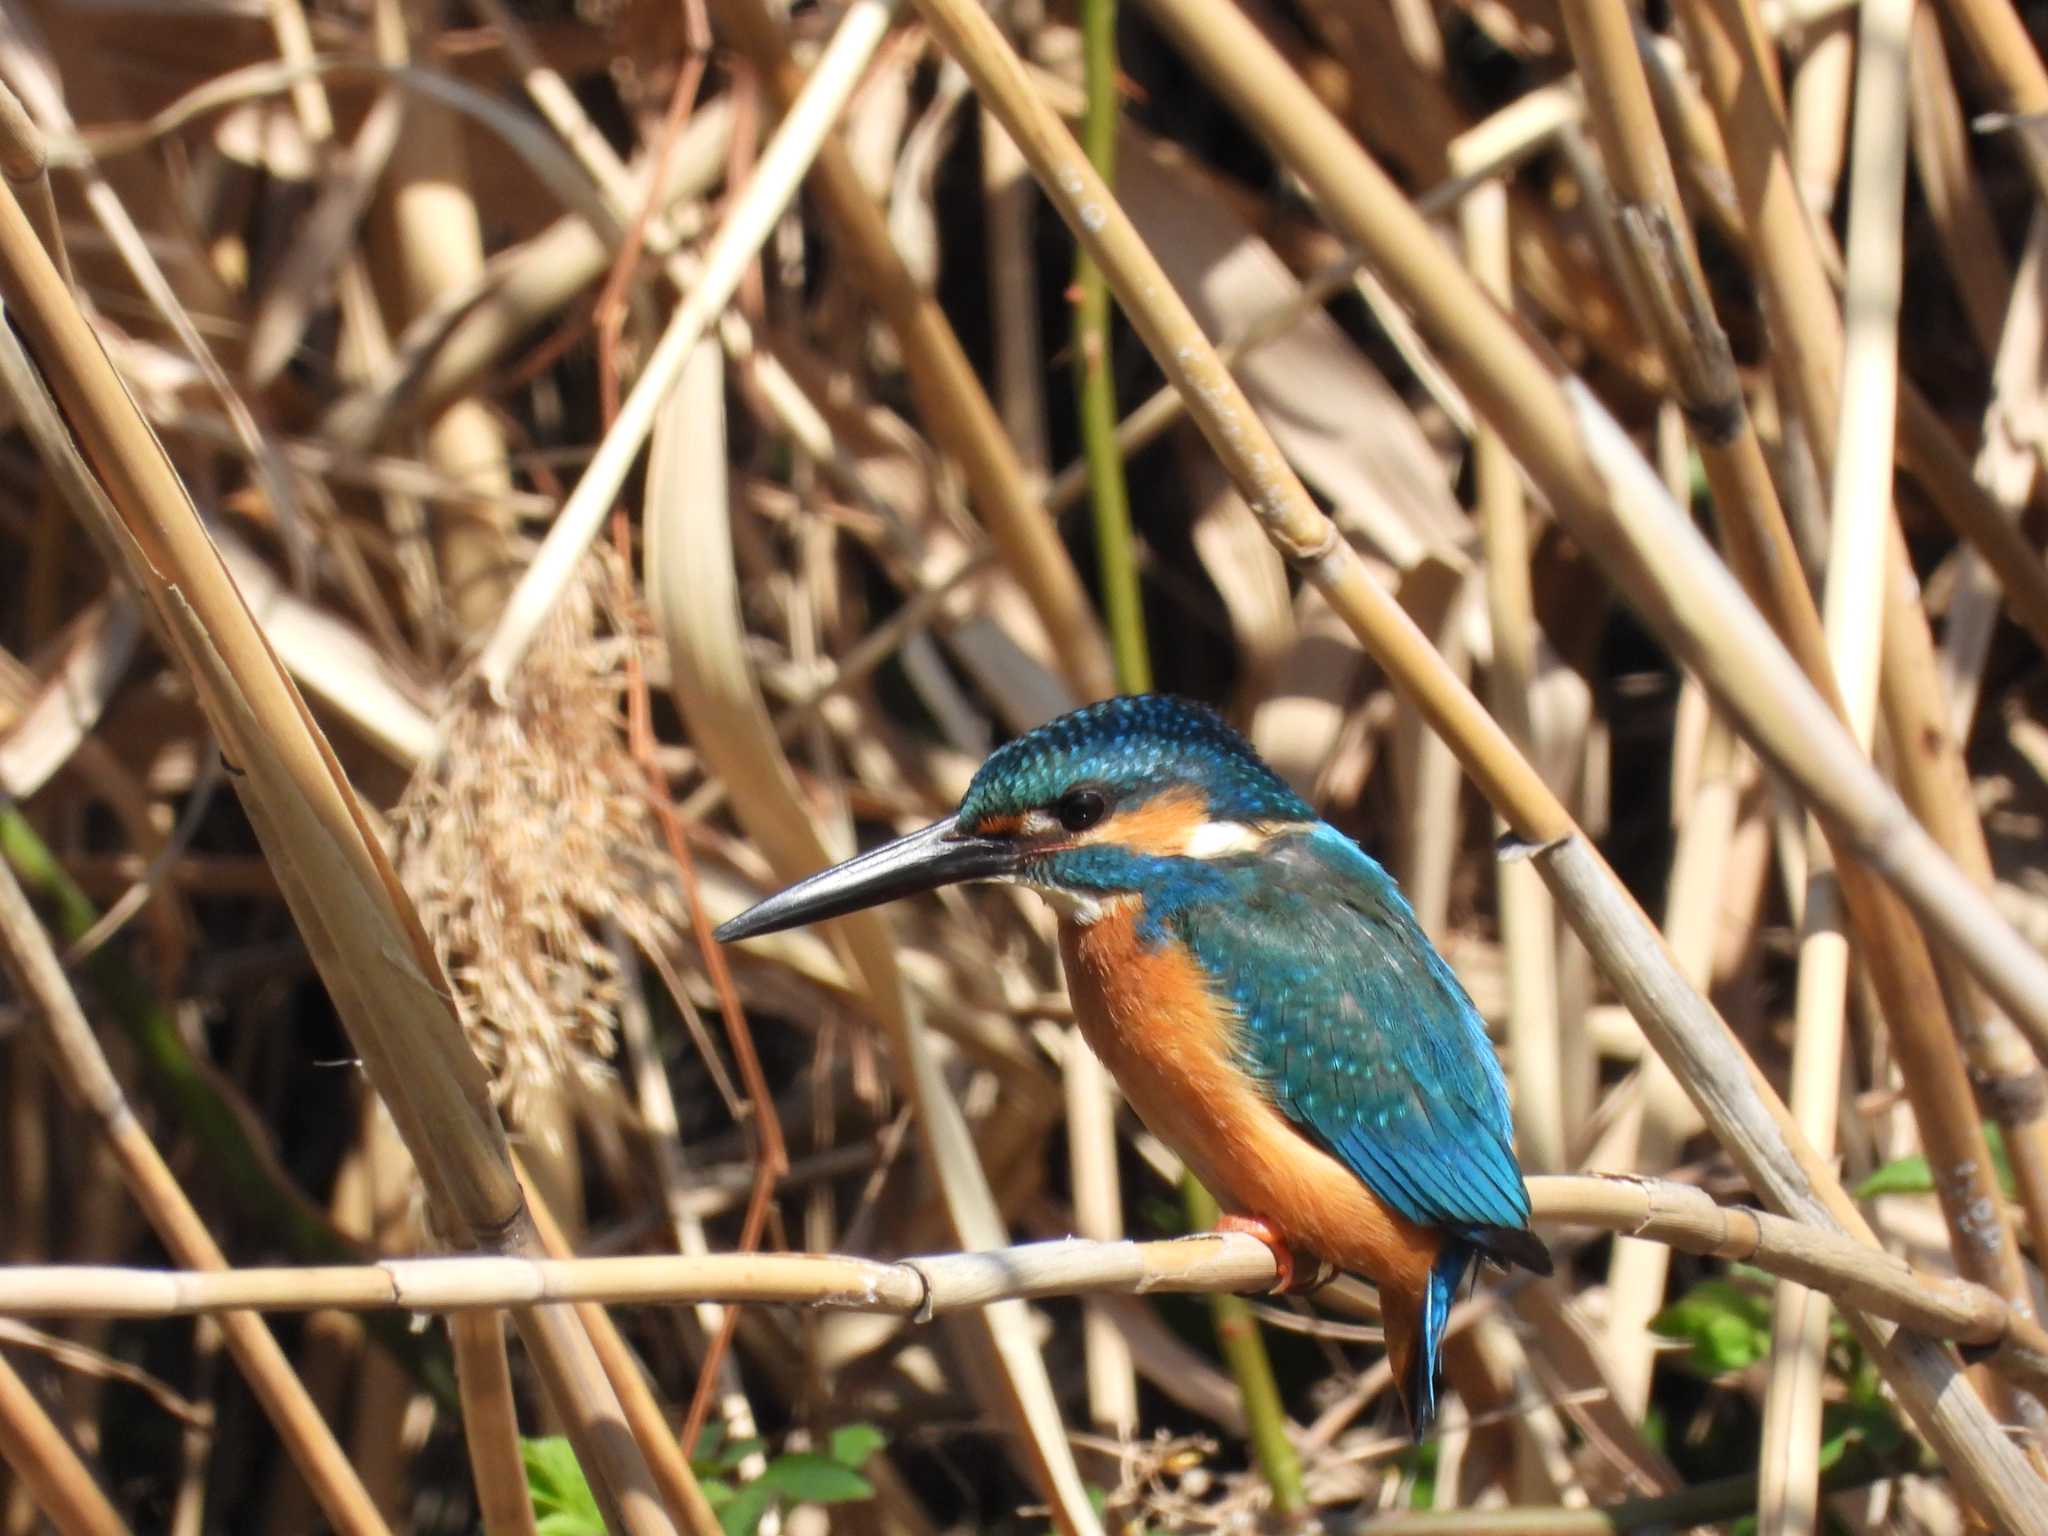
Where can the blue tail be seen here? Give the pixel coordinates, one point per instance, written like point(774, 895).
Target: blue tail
point(1445, 1276)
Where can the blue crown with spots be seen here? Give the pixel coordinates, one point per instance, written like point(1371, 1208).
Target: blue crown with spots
point(1133, 747)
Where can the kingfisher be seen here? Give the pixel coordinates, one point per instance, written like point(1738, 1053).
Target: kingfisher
point(1259, 988)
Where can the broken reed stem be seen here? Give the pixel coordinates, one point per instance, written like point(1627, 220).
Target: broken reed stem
point(949, 395)
point(2007, 56)
point(1659, 1210)
point(748, 222)
point(25, 162)
point(1956, 202)
point(1667, 570)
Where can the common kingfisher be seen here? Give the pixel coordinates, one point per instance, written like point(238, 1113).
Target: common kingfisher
point(1261, 991)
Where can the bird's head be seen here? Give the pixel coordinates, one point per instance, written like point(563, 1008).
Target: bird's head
point(1110, 799)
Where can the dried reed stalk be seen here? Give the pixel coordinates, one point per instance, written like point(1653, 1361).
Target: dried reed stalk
point(1956, 205)
point(25, 162)
point(2007, 56)
point(88, 1079)
point(949, 394)
point(1528, 923)
point(490, 1423)
point(358, 926)
point(748, 222)
point(644, 1415)
point(59, 1483)
point(1798, 295)
point(1680, 1215)
point(1762, 551)
point(435, 245)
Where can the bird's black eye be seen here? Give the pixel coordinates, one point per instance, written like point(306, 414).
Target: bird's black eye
point(1081, 808)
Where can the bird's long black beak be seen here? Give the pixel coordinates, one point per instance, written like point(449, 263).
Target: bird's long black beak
point(939, 855)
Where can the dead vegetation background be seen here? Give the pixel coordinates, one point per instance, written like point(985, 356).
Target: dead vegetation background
point(403, 290)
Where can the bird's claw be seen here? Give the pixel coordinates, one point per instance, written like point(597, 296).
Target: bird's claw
point(1286, 1281)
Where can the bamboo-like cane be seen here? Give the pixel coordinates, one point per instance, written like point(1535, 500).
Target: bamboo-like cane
point(490, 1423)
point(61, 1485)
point(1573, 449)
point(1681, 1215)
point(1528, 923)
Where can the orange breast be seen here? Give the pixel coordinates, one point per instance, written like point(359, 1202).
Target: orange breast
point(1153, 1018)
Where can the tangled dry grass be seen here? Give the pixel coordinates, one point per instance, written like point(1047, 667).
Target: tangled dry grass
point(525, 842)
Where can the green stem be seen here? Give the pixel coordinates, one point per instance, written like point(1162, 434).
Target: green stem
point(1237, 1330)
point(190, 1089)
point(1116, 558)
point(1244, 1351)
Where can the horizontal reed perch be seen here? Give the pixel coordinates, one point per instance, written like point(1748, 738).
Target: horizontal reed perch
point(1972, 1316)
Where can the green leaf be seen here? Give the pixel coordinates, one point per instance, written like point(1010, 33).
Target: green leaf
point(815, 1479)
point(741, 1514)
point(1912, 1176)
point(853, 1444)
point(740, 1450)
point(562, 1500)
point(1907, 1176)
point(1727, 1324)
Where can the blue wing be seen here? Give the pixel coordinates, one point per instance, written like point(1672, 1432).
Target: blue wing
point(1363, 1035)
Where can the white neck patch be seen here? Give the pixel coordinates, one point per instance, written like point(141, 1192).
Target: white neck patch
point(1221, 839)
point(1082, 908)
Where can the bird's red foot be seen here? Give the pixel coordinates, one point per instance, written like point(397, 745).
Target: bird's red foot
point(1285, 1280)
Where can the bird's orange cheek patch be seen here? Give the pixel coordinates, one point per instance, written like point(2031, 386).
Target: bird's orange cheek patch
point(1160, 827)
